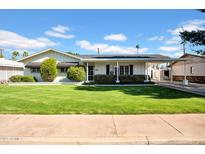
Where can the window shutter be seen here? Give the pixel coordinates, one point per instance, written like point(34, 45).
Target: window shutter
point(107, 69)
point(131, 69)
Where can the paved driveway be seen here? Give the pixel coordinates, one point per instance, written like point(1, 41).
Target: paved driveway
point(195, 88)
point(102, 129)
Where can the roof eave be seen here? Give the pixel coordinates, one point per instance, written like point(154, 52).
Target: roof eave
point(134, 59)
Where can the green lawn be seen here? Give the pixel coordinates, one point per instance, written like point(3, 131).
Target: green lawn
point(66, 99)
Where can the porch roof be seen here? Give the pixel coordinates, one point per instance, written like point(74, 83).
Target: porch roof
point(60, 64)
point(134, 57)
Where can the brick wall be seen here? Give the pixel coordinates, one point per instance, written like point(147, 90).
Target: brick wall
point(196, 79)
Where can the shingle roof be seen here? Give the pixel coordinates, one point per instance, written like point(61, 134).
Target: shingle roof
point(123, 56)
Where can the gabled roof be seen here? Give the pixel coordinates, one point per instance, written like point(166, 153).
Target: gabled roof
point(188, 54)
point(193, 55)
point(50, 49)
point(109, 57)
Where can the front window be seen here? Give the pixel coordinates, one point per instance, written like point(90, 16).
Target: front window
point(35, 70)
point(124, 70)
point(121, 70)
point(63, 70)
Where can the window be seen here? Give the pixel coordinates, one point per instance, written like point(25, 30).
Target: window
point(63, 69)
point(107, 69)
point(191, 70)
point(35, 70)
point(121, 70)
point(125, 70)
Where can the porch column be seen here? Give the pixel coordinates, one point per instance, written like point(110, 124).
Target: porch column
point(185, 81)
point(146, 73)
point(171, 77)
point(87, 73)
point(117, 80)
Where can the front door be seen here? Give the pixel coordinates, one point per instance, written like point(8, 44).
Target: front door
point(90, 73)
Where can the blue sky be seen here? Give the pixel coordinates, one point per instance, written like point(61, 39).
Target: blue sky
point(83, 31)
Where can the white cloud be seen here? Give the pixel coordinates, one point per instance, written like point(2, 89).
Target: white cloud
point(105, 48)
point(159, 38)
point(59, 35)
point(16, 41)
point(59, 32)
point(60, 29)
point(188, 26)
point(169, 48)
point(173, 40)
point(116, 37)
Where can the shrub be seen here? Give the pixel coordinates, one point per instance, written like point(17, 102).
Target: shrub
point(124, 79)
point(21, 78)
point(27, 79)
point(132, 78)
point(48, 70)
point(76, 73)
point(15, 78)
point(104, 79)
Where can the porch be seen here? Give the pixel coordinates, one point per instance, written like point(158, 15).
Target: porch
point(124, 68)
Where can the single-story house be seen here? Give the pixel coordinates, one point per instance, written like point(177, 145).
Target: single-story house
point(9, 68)
point(117, 65)
point(193, 68)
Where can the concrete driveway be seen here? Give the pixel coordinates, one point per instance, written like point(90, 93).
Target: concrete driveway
point(102, 129)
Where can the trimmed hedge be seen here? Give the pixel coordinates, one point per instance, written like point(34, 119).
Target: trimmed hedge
point(48, 70)
point(76, 73)
point(21, 78)
point(104, 79)
point(124, 79)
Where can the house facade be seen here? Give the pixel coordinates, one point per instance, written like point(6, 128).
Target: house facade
point(193, 68)
point(94, 64)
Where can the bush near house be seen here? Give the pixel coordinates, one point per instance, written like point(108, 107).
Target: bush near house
point(76, 73)
point(48, 70)
point(21, 78)
point(124, 79)
point(104, 79)
point(132, 78)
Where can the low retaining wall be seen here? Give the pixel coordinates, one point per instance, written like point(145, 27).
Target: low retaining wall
point(194, 79)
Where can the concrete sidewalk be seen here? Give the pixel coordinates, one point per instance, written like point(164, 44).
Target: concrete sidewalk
point(102, 129)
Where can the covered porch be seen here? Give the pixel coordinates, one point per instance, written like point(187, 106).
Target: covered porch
point(123, 67)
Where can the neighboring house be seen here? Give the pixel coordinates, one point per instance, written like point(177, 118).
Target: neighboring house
point(194, 68)
point(9, 68)
point(95, 64)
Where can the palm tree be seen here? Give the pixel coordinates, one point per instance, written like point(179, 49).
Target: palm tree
point(137, 46)
point(14, 55)
point(25, 53)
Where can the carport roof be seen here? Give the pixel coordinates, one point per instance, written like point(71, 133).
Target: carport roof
point(10, 63)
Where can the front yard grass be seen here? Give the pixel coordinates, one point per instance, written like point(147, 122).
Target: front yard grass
point(67, 99)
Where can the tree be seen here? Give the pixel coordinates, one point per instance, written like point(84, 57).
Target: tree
point(25, 53)
point(137, 46)
point(196, 38)
point(48, 70)
point(14, 55)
